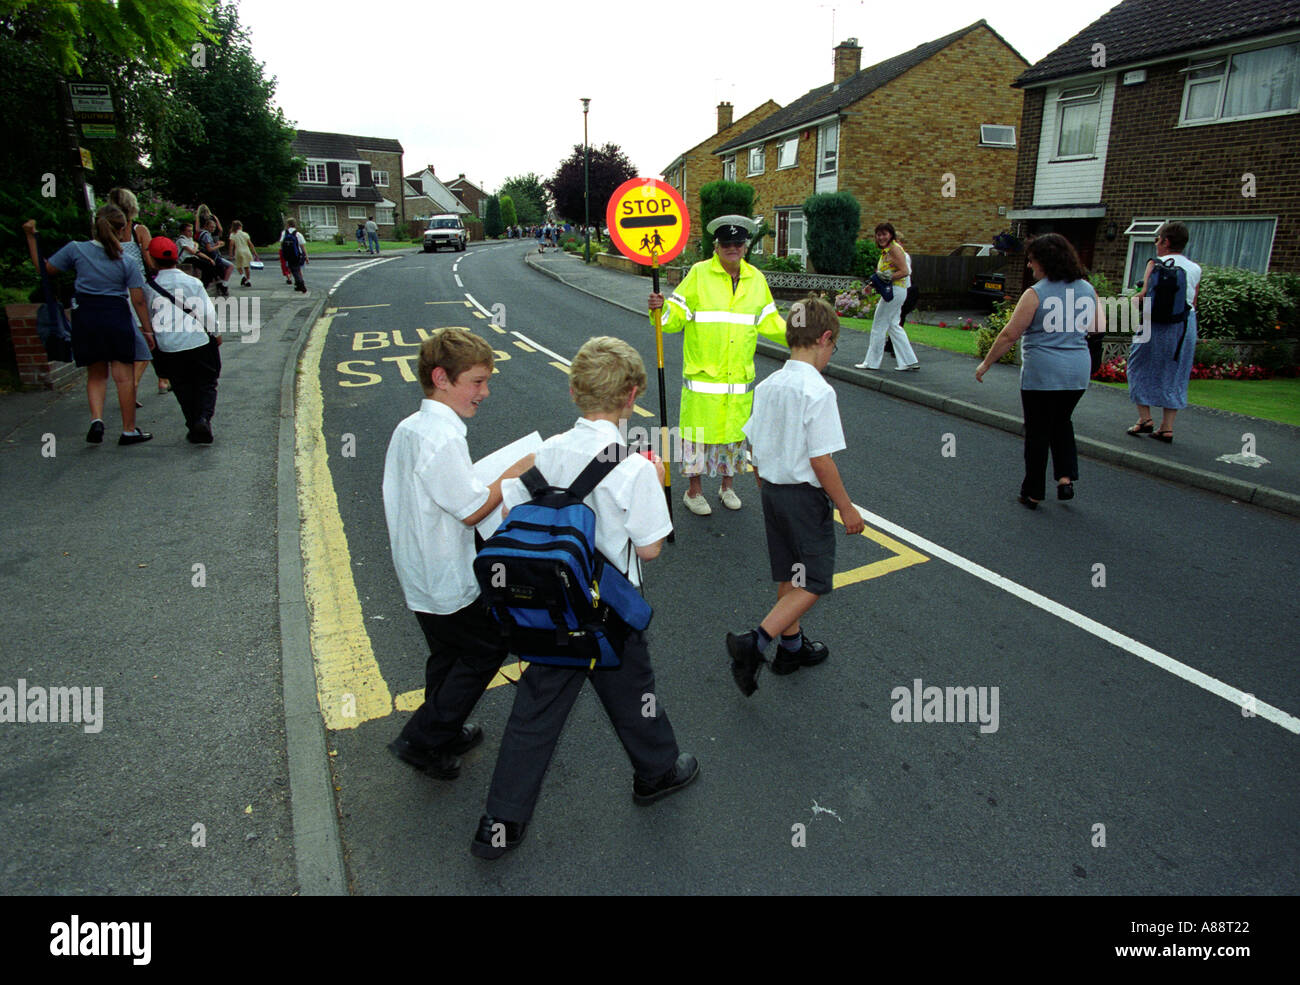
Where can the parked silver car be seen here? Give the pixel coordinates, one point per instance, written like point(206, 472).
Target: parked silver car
point(445, 230)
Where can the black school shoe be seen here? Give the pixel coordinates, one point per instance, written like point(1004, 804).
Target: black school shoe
point(491, 841)
point(745, 661)
point(200, 433)
point(135, 438)
point(96, 433)
point(438, 764)
point(683, 773)
point(810, 654)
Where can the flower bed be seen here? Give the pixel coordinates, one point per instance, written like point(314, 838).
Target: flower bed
point(1116, 371)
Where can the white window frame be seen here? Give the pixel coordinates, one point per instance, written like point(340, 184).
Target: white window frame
point(327, 214)
point(1224, 65)
point(1078, 96)
point(357, 212)
point(827, 156)
point(376, 176)
point(758, 240)
point(729, 168)
point(349, 169)
point(758, 154)
point(988, 133)
point(384, 215)
point(1142, 240)
point(307, 176)
point(787, 153)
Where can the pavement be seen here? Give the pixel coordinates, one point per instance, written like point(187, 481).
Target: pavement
point(1248, 459)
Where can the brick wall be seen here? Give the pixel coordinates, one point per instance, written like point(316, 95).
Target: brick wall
point(392, 163)
point(783, 188)
point(1155, 169)
point(897, 144)
point(34, 366)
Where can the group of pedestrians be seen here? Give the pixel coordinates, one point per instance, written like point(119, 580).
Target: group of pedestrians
point(368, 236)
point(131, 307)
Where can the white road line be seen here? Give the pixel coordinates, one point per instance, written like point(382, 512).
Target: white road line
point(1190, 674)
point(472, 300)
point(542, 348)
point(458, 281)
point(358, 269)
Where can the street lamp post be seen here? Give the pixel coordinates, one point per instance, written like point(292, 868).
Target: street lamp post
point(586, 194)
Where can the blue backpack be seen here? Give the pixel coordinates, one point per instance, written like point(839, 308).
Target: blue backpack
point(558, 600)
point(291, 248)
point(1167, 289)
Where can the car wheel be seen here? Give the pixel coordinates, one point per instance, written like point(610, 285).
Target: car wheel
point(428, 248)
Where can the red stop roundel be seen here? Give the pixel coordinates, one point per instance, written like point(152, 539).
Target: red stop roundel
point(647, 220)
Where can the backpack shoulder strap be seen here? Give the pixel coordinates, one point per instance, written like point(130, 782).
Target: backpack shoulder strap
point(534, 482)
point(599, 467)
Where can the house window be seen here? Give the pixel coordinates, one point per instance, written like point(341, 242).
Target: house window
point(383, 214)
point(380, 178)
point(356, 211)
point(1244, 243)
point(758, 240)
point(828, 146)
point(349, 174)
point(789, 233)
point(992, 135)
point(323, 219)
point(313, 174)
point(786, 154)
point(482, 208)
point(1077, 112)
point(756, 160)
point(729, 168)
point(1245, 84)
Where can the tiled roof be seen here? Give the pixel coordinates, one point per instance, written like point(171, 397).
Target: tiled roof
point(832, 98)
point(341, 146)
point(1147, 30)
point(334, 193)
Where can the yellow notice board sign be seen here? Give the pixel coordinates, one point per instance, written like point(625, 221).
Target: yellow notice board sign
point(647, 220)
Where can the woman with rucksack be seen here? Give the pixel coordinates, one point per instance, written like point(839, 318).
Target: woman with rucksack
point(1160, 364)
point(109, 287)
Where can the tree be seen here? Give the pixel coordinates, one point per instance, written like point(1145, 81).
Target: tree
point(529, 196)
point(722, 198)
point(235, 151)
point(609, 168)
point(492, 220)
point(832, 231)
point(508, 216)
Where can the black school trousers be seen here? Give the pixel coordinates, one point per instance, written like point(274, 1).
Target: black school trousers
point(465, 653)
point(193, 375)
point(1048, 428)
point(543, 699)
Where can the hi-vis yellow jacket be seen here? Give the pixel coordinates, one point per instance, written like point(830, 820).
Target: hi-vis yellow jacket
point(718, 351)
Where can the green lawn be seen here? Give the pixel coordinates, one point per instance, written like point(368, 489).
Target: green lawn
point(951, 339)
point(1274, 400)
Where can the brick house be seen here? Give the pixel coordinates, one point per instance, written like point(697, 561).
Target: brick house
point(695, 168)
point(925, 140)
point(1161, 111)
point(471, 196)
point(426, 196)
point(346, 179)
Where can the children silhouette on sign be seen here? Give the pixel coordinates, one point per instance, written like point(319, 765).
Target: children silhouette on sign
point(652, 244)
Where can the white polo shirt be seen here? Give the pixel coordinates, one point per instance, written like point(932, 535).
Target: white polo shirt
point(429, 488)
point(177, 330)
point(629, 502)
point(795, 418)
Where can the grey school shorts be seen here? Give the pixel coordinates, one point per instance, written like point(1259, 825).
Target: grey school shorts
point(800, 528)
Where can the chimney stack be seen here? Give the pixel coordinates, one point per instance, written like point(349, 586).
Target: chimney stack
point(724, 116)
point(848, 59)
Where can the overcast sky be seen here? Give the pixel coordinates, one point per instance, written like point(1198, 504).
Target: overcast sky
point(492, 88)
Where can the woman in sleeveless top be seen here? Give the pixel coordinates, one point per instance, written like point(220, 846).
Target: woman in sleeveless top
point(1054, 317)
point(893, 267)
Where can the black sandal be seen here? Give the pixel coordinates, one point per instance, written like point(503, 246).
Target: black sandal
point(1142, 427)
point(1166, 436)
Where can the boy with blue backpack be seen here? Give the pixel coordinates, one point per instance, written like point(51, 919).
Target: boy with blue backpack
point(631, 522)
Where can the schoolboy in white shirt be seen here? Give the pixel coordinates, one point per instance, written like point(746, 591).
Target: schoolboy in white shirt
point(631, 524)
point(794, 429)
point(432, 502)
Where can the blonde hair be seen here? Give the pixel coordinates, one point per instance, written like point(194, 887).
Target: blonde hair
point(810, 318)
point(455, 350)
point(108, 220)
point(604, 371)
point(236, 226)
point(125, 200)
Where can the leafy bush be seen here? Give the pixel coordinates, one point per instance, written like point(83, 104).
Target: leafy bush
point(338, 239)
point(986, 336)
point(787, 265)
point(1288, 315)
point(868, 255)
point(492, 224)
point(722, 198)
point(832, 228)
point(1100, 284)
point(1238, 304)
point(1212, 354)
